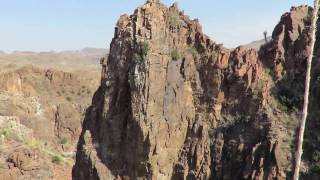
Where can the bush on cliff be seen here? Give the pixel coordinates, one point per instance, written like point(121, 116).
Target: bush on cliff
point(175, 55)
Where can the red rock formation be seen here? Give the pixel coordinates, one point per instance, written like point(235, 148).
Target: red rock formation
point(176, 105)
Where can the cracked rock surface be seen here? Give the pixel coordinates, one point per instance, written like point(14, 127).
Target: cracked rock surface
point(174, 104)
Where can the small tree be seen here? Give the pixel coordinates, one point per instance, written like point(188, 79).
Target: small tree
point(265, 33)
point(57, 159)
point(175, 55)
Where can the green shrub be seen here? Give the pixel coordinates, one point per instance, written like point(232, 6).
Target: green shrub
point(68, 98)
point(144, 47)
point(241, 118)
point(255, 94)
point(290, 94)
point(316, 156)
point(315, 168)
point(137, 57)
point(193, 51)
point(175, 55)
point(4, 132)
point(10, 132)
point(33, 143)
point(57, 159)
point(261, 82)
point(142, 51)
point(267, 71)
point(214, 55)
point(63, 141)
point(175, 20)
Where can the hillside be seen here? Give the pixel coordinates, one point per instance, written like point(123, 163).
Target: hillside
point(256, 44)
point(43, 99)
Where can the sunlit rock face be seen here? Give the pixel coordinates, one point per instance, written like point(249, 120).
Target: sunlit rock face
point(173, 104)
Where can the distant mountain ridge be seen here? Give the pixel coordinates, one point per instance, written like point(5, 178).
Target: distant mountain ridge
point(75, 59)
point(257, 44)
point(86, 50)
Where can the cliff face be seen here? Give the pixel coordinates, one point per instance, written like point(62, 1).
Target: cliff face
point(173, 104)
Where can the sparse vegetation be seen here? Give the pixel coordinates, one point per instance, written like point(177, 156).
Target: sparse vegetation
point(290, 93)
point(137, 57)
point(175, 55)
point(315, 168)
point(4, 132)
point(63, 141)
point(241, 118)
point(11, 130)
point(174, 19)
point(261, 82)
point(57, 159)
point(142, 51)
point(144, 47)
point(316, 156)
point(33, 143)
point(214, 55)
point(24, 129)
point(193, 51)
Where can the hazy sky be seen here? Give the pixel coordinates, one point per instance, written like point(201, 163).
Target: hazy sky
point(42, 25)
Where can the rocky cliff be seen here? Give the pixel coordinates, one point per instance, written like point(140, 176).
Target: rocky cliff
point(174, 104)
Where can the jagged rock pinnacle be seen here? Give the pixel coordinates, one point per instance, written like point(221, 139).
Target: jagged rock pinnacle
point(167, 79)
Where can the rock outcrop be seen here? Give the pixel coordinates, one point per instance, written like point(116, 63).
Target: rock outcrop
point(173, 104)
